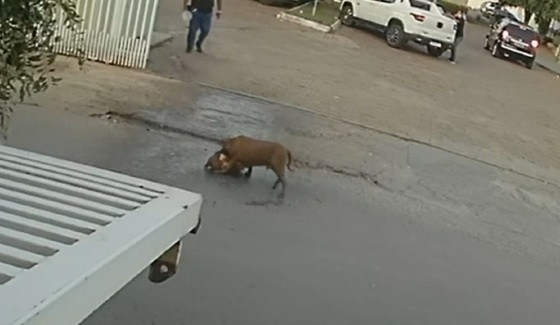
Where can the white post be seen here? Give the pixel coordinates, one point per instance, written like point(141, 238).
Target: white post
point(314, 7)
point(118, 19)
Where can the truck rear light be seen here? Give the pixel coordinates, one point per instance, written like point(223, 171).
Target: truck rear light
point(418, 17)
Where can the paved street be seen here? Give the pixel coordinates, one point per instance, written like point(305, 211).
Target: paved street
point(339, 250)
point(424, 193)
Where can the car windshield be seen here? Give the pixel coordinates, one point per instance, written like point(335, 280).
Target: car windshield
point(524, 33)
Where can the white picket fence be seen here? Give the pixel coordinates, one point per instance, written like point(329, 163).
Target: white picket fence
point(112, 31)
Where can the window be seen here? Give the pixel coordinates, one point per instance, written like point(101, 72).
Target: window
point(524, 33)
point(419, 4)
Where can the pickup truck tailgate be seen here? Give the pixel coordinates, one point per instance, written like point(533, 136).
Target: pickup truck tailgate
point(72, 235)
point(440, 27)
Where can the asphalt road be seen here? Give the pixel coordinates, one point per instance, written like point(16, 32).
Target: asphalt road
point(337, 251)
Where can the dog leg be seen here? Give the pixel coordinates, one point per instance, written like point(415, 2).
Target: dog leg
point(249, 171)
point(281, 180)
point(283, 191)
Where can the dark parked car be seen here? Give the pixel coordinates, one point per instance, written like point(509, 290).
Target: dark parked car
point(513, 40)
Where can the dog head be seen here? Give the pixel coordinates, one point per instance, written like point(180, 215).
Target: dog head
point(216, 162)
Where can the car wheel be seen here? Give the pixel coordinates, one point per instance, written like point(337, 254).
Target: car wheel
point(267, 2)
point(529, 64)
point(496, 52)
point(347, 15)
point(436, 52)
point(395, 35)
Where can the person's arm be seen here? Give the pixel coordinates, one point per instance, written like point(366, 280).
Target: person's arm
point(219, 13)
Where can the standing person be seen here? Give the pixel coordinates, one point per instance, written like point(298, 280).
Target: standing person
point(201, 19)
point(460, 17)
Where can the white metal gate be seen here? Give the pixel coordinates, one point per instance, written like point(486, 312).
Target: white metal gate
point(71, 235)
point(113, 31)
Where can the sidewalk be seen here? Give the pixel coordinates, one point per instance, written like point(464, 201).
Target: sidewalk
point(546, 60)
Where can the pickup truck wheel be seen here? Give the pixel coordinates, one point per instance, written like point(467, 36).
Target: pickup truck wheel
point(395, 35)
point(486, 45)
point(529, 64)
point(347, 16)
point(267, 2)
point(436, 52)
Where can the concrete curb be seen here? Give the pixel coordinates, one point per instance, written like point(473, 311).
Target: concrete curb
point(284, 16)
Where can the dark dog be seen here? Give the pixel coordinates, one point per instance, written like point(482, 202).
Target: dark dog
point(251, 152)
point(219, 161)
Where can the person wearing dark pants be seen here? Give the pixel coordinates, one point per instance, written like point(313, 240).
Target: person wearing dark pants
point(460, 17)
point(201, 20)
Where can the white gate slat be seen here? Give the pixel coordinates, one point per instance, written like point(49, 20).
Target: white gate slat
point(9, 270)
point(8, 252)
point(101, 176)
point(56, 207)
point(150, 33)
point(96, 184)
point(52, 218)
point(142, 33)
point(98, 11)
point(50, 246)
point(44, 230)
point(106, 35)
point(69, 189)
point(62, 198)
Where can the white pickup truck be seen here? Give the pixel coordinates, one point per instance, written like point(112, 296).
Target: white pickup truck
point(420, 21)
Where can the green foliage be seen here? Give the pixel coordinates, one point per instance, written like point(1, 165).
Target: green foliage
point(27, 36)
point(544, 10)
